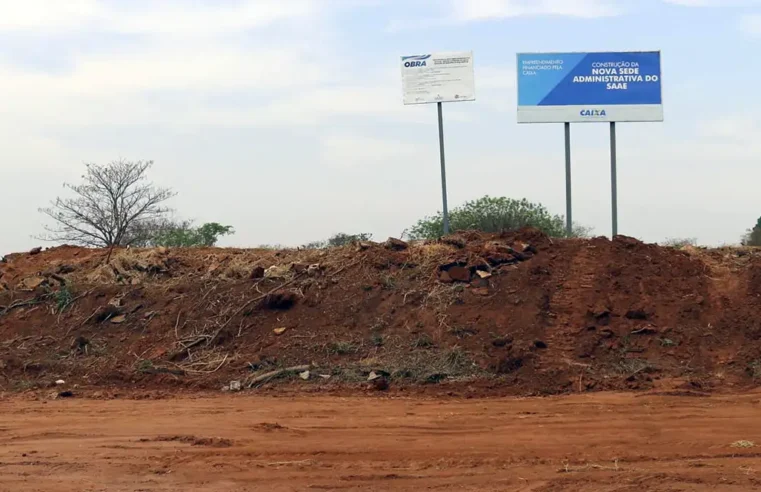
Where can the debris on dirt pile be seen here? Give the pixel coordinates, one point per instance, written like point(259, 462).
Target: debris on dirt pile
point(458, 242)
point(280, 300)
point(499, 313)
point(454, 272)
point(396, 244)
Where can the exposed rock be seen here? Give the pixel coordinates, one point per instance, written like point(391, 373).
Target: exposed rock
point(396, 244)
point(524, 248)
point(444, 277)
point(280, 300)
point(276, 271)
point(509, 365)
point(35, 251)
point(31, 283)
point(380, 384)
point(459, 274)
point(502, 341)
point(637, 314)
point(481, 291)
point(627, 241)
point(116, 302)
point(64, 269)
point(497, 247)
point(456, 241)
point(364, 245)
point(645, 330)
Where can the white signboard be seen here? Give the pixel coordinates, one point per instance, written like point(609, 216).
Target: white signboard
point(438, 77)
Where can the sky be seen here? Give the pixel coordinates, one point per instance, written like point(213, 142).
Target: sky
point(284, 118)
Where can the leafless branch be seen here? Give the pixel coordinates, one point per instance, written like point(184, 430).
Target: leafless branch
point(113, 206)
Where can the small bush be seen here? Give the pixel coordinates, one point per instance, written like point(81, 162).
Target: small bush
point(679, 242)
point(377, 340)
point(342, 348)
point(424, 341)
point(338, 240)
point(63, 298)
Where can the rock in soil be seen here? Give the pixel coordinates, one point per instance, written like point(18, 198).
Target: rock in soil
point(456, 241)
point(459, 274)
point(396, 244)
point(380, 384)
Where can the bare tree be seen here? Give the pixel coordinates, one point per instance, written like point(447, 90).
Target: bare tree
point(114, 206)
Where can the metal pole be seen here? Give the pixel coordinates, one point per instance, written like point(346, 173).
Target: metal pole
point(445, 213)
point(613, 177)
point(568, 208)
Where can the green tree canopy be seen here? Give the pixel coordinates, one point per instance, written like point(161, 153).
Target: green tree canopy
point(495, 214)
point(753, 236)
point(184, 235)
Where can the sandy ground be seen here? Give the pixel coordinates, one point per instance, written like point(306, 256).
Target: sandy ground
point(241, 442)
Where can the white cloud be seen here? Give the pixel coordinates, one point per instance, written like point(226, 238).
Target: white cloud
point(463, 11)
point(474, 10)
point(141, 16)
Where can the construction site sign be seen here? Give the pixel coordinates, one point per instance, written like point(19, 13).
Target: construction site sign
point(589, 87)
point(438, 77)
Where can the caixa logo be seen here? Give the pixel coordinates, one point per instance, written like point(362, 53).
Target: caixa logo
point(415, 61)
point(591, 113)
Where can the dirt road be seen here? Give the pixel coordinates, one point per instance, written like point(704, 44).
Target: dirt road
point(240, 443)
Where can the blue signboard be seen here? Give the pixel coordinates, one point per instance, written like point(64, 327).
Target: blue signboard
point(580, 87)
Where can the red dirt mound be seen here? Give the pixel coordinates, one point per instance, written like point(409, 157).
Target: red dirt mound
point(513, 313)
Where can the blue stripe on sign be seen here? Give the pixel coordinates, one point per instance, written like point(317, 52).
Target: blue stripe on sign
point(536, 79)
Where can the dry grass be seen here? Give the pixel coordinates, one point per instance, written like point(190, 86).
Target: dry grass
point(743, 444)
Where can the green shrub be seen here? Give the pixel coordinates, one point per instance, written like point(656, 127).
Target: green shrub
point(496, 214)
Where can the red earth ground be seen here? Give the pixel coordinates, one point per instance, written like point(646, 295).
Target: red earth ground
point(548, 317)
point(111, 367)
point(594, 442)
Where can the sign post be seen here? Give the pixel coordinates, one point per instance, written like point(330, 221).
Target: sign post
point(605, 87)
point(445, 213)
point(613, 179)
point(439, 78)
point(568, 201)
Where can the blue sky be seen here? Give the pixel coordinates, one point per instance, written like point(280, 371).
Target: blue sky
point(284, 118)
